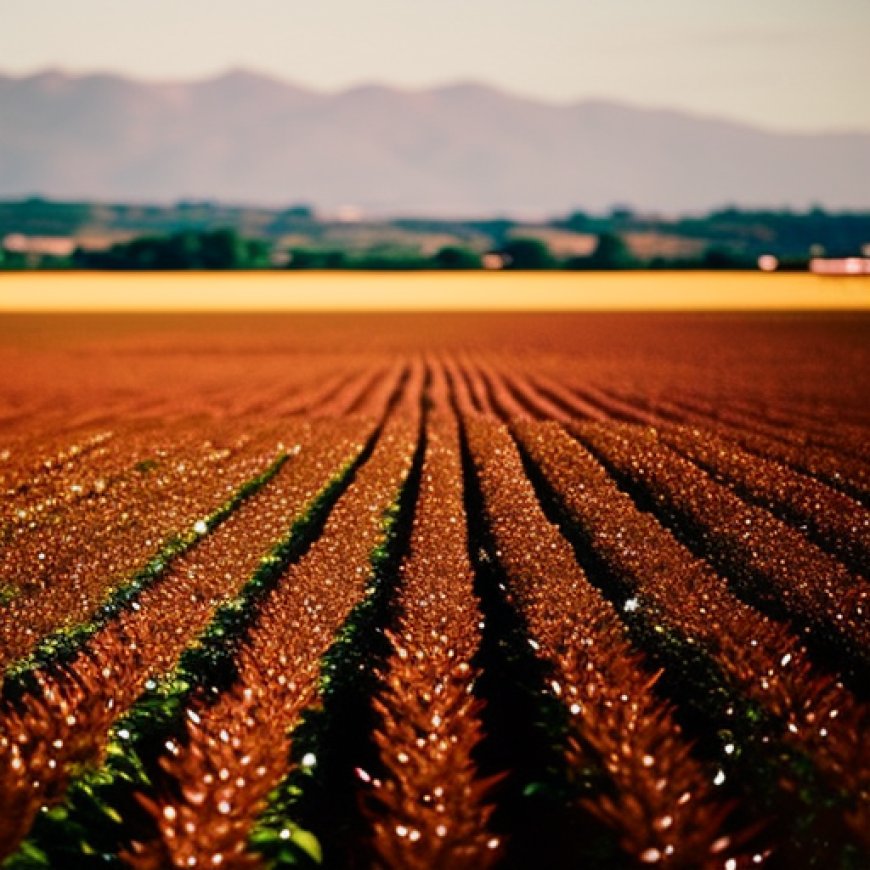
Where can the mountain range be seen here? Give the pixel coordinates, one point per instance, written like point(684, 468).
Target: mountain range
point(459, 150)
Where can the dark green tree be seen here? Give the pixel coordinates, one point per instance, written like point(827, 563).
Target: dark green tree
point(455, 257)
point(214, 249)
point(526, 253)
point(611, 252)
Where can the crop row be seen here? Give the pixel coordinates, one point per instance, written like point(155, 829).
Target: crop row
point(21, 471)
point(841, 472)
point(152, 508)
point(63, 393)
point(836, 454)
point(784, 424)
point(834, 520)
point(406, 634)
point(686, 610)
point(132, 503)
point(237, 748)
point(770, 397)
point(427, 805)
point(768, 560)
point(632, 766)
point(52, 733)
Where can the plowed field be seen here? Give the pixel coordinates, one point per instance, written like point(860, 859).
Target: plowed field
point(435, 591)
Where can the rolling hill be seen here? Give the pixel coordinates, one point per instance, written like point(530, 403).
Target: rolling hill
point(459, 150)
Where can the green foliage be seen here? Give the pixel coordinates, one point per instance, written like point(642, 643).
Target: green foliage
point(611, 252)
point(42, 217)
point(209, 662)
point(455, 257)
point(98, 812)
point(725, 258)
point(297, 218)
point(211, 249)
point(208, 235)
point(346, 673)
point(528, 253)
point(384, 258)
point(309, 258)
point(12, 260)
point(287, 846)
point(7, 593)
point(376, 259)
point(65, 644)
point(322, 797)
point(578, 222)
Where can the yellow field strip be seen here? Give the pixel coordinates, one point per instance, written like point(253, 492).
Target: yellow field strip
point(403, 291)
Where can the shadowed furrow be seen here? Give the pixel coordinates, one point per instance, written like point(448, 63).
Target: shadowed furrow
point(428, 803)
point(435, 591)
point(679, 597)
point(122, 536)
point(632, 765)
point(237, 747)
point(770, 563)
point(833, 520)
point(49, 734)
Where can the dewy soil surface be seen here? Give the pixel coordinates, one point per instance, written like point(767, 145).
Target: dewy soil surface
point(445, 590)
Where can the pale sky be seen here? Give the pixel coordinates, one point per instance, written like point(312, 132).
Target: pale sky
point(792, 64)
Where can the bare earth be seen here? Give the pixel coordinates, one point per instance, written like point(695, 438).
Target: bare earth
point(435, 590)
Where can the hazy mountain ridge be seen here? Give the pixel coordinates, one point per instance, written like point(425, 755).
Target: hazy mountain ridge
point(458, 149)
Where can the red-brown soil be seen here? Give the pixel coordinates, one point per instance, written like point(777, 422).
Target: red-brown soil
point(435, 590)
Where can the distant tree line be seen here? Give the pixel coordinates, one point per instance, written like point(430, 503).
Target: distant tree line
point(790, 235)
point(611, 252)
point(384, 258)
point(727, 237)
point(213, 249)
point(225, 249)
point(207, 235)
